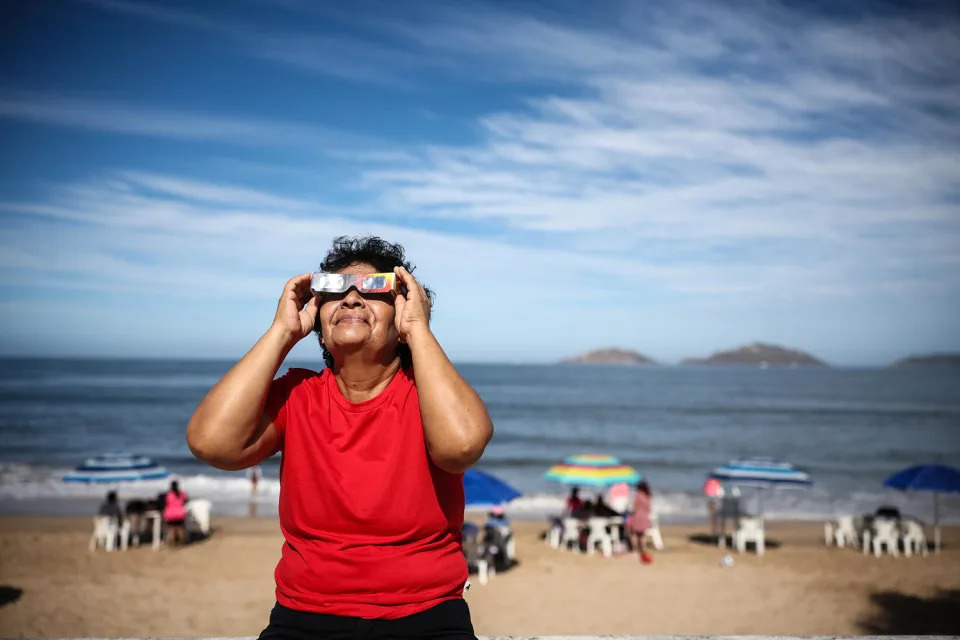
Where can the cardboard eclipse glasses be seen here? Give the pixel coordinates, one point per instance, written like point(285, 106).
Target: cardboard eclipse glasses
point(321, 283)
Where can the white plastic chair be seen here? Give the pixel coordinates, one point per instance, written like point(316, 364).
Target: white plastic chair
point(198, 517)
point(553, 533)
point(653, 533)
point(884, 534)
point(751, 530)
point(828, 533)
point(913, 539)
point(105, 532)
point(616, 525)
point(570, 534)
point(845, 532)
point(599, 534)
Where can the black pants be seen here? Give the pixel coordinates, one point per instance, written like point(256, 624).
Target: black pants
point(449, 620)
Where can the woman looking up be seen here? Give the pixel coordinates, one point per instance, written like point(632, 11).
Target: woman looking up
point(374, 448)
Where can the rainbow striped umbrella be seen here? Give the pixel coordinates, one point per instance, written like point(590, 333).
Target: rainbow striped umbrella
point(592, 469)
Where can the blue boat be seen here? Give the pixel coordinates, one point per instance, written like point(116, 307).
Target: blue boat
point(117, 467)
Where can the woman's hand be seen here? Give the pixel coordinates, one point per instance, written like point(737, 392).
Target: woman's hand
point(412, 308)
point(297, 309)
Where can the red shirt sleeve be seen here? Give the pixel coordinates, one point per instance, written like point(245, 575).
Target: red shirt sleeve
point(281, 396)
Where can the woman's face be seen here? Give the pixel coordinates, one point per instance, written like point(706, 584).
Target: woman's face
point(352, 322)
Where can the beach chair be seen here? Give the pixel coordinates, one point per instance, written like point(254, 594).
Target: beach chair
point(106, 531)
point(598, 534)
point(913, 538)
point(616, 525)
point(884, 534)
point(653, 533)
point(570, 534)
point(198, 517)
point(750, 530)
point(476, 553)
point(553, 533)
point(845, 532)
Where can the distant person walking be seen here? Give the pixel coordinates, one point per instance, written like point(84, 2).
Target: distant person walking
point(254, 474)
point(638, 522)
point(713, 491)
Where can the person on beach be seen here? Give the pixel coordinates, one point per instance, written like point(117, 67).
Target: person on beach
point(374, 449)
point(638, 521)
point(713, 491)
point(111, 508)
point(601, 509)
point(574, 504)
point(254, 474)
point(175, 514)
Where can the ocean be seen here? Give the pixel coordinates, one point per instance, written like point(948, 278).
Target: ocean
point(849, 428)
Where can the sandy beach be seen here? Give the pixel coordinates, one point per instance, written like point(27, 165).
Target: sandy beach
point(52, 586)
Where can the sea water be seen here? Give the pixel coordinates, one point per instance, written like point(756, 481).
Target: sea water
point(850, 428)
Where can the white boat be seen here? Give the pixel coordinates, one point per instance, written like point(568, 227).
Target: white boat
point(117, 467)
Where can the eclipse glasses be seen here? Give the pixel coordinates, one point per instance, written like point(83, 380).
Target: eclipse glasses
point(364, 283)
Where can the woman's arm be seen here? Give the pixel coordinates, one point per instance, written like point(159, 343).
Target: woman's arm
point(456, 424)
point(229, 429)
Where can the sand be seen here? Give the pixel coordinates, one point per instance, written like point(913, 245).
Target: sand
point(223, 586)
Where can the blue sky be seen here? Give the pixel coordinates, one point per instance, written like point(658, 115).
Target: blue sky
point(672, 177)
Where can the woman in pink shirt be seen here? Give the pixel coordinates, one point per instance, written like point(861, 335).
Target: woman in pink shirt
point(175, 513)
point(639, 521)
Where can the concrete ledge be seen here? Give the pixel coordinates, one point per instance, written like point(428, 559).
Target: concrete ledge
point(601, 637)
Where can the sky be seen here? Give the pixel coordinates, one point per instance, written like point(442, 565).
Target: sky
point(671, 177)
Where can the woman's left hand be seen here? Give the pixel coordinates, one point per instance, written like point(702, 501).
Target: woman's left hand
point(412, 308)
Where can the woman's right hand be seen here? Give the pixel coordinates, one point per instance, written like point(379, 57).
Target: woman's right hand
point(297, 309)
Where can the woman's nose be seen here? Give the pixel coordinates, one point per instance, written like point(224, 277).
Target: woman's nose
point(352, 299)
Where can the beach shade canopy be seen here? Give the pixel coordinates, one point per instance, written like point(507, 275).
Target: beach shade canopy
point(482, 489)
point(116, 467)
point(592, 469)
point(765, 473)
point(936, 478)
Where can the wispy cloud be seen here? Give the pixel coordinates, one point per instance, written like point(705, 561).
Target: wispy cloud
point(137, 119)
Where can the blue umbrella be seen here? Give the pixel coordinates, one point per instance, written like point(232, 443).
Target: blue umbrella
point(116, 467)
point(937, 478)
point(765, 473)
point(481, 489)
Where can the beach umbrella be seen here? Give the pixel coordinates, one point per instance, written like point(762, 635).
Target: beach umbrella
point(936, 478)
point(592, 469)
point(762, 473)
point(116, 467)
point(481, 489)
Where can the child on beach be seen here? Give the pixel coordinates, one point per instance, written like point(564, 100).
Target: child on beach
point(639, 520)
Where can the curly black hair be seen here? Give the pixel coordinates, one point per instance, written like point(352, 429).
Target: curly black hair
point(378, 253)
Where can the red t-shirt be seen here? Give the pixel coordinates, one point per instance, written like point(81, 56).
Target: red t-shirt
point(372, 526)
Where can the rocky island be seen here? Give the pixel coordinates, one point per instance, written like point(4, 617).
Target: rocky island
point(929, 361)
point(759, 354)
point(609, 356)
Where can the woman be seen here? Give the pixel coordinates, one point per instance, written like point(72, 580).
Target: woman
point(174, 514)
point(639, 521)
point(574, 504)
point(374, 448)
